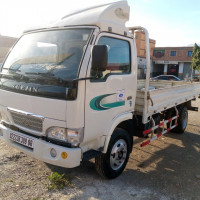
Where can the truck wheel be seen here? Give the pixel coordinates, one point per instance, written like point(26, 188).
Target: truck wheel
point(182, 121)
point(112, 164)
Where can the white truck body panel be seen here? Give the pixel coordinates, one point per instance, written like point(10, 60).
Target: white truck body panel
point(113, 15)
point(76, 109)
point(42, 150)
point(166, 94)
point(36, 105)
point(114, 84)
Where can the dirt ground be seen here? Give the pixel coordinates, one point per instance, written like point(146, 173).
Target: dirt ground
point(169, 168)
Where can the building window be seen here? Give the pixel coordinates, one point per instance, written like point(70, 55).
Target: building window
point(173, 53)
point(189, 53)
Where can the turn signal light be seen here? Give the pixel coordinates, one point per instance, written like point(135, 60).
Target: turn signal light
point(64, 155)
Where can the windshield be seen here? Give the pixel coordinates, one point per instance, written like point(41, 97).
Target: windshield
point(54, 52)
point(47, 58)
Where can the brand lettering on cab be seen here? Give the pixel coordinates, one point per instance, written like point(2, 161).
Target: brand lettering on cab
point(26, 88)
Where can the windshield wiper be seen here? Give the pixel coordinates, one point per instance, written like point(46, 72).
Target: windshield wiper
point(39, 73)
point(14, 75)
point(47, 76)
point(10, 69)
point(42, 75)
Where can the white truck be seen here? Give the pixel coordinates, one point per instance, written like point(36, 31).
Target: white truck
point(69, 92)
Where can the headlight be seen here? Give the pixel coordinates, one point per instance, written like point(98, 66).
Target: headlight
point(72, 136)
point(57, 133)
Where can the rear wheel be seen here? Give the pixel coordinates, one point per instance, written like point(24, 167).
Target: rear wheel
point(112, 164)
point(182, 121)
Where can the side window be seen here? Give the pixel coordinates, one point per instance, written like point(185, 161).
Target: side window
point(118, 56)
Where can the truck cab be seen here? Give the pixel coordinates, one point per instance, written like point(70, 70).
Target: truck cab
point(66, 88)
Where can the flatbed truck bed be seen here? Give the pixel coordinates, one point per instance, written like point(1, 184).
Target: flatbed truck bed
point(164, 95)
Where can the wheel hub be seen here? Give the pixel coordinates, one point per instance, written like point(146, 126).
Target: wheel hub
point(118, 154)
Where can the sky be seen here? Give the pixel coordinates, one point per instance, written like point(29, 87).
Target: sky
point(169, 22)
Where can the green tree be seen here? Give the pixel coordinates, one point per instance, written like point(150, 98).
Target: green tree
point(196, 58)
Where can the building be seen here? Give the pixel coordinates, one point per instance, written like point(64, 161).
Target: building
point(164, 60)
point(173, 61)
point(5, 44)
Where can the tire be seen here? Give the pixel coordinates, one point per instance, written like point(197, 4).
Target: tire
point(112, 164)
point(182, 121)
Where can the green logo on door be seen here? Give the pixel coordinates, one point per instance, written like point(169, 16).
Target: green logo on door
point(96, 104)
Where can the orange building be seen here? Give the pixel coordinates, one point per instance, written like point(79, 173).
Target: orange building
point(141, 45)
point(141, 52)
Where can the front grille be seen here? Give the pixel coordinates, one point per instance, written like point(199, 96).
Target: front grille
point(27, 121)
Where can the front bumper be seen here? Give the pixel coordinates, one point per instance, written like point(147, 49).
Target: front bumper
point(42, 150)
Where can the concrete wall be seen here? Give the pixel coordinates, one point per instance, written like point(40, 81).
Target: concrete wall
point(142, 67)
point(187, 71)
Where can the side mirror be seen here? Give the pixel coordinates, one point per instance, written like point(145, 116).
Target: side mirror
point(99, 58)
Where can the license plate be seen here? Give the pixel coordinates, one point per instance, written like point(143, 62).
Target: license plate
point(24, 140)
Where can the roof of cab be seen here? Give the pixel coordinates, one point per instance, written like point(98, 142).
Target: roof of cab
point(107, 17)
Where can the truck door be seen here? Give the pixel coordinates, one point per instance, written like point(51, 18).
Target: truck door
point(114, 92)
